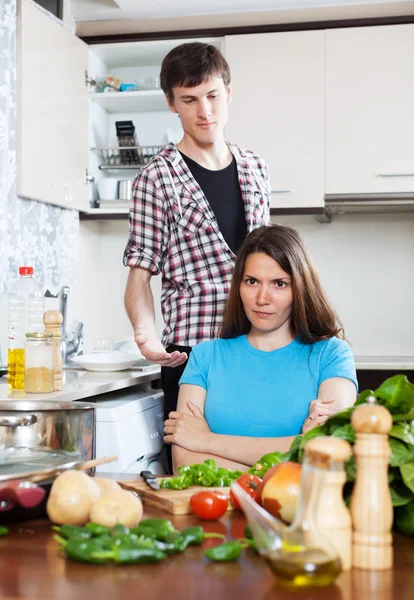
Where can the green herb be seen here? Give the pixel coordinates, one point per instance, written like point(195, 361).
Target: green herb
point(3, 531)
point(207, 474)
point(397, 395)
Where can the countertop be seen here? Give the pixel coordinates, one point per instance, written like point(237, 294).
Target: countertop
point(384, 363)
point(32, 567)
point(79, 384)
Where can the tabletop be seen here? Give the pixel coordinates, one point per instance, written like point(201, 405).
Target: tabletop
point(32, 567)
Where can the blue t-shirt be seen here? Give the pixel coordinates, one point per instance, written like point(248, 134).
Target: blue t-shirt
point(256, 393)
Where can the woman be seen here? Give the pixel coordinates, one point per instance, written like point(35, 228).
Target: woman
point(280, 366)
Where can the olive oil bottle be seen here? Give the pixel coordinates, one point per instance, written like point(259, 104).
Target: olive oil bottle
point(310, 568)
point(298, 555)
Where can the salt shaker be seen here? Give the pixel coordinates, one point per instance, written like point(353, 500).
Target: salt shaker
point(333, 518)
point(371, 505)
point(53, 320)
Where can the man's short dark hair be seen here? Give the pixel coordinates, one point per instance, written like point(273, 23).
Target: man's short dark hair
point(190, 64)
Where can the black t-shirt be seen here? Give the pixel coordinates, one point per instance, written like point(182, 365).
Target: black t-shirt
point(222, 190)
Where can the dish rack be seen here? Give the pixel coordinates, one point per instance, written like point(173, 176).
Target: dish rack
point(126, 157)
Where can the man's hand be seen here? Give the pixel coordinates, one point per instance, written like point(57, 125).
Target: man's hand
point(152, 349)
point(319, 412)
point(188, 431)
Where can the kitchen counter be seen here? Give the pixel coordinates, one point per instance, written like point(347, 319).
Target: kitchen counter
point(31, 567)
point(79, 384)
point(384, 363)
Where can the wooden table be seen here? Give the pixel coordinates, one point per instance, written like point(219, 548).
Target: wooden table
point(31, 567)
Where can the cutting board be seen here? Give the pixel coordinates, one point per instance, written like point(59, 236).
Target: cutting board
point(175, 502)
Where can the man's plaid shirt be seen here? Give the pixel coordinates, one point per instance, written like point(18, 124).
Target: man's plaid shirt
point(173, 231)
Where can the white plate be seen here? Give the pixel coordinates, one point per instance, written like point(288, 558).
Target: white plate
point(105, 361)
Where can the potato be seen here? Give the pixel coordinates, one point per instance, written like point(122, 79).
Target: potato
point(117, 507)
point(107, 485)
point(71, 498)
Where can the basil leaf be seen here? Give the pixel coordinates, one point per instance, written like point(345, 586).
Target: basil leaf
point(403, 430)
point(398, 394)
point(400, 494)
point(407, 472)
point(401, 453)
point(345, 433)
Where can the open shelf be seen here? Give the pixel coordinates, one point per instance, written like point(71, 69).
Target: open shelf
point(123, 102)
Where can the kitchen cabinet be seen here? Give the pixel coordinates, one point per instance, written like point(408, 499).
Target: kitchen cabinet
point(369, 110)
point(67, 134)
point(52, 110)
point(278, 110)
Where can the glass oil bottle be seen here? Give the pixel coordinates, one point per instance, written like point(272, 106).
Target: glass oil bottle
point(299, 555)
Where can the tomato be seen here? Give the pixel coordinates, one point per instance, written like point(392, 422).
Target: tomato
point(209, 505)
point(251, 484)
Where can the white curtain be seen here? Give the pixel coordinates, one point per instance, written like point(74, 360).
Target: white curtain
point(31, 233)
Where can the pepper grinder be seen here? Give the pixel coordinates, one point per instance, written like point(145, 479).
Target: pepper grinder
point(333, 518)
point(371, 505)
point(53, 320)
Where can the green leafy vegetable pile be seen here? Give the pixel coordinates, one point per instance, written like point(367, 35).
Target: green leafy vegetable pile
point(152, 541)
point(397, 395)
point(206, 474)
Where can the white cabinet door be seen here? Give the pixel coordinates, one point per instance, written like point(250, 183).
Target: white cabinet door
point(370, 110)
point(52, 148)
point(278, 110)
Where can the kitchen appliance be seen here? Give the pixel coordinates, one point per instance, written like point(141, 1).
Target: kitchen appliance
point(51, 424)
point(175, 502)
point(130, 425)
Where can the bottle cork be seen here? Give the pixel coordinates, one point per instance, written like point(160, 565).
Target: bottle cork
point(53, 320)
point(333, 518)
point(371, 505)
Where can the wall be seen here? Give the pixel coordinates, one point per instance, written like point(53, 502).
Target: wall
point(96, 297)
point(365, 263)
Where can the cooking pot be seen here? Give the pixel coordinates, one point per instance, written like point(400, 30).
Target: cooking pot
point(56, 425)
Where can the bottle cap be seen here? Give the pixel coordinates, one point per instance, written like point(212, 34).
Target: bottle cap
point(25, 270)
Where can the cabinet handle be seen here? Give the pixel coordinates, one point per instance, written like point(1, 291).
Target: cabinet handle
point(281, 191)
point(395, 175)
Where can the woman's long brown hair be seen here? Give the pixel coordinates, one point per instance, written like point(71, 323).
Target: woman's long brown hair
point(313, 319)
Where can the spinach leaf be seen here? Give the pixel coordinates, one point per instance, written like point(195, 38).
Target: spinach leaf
point(293, 453)
point(400, 494)
point(407, 472)
point(401, 453)
point(363, 396)
point(398, 394)
point(350, 469)
point(345, 433)
point(403, 430)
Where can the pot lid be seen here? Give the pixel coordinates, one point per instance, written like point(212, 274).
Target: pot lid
point(35, 463)
point(42, 406)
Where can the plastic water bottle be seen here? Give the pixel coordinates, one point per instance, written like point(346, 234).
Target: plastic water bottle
point(26, 304)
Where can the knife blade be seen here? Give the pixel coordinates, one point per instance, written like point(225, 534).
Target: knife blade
point(150, 479)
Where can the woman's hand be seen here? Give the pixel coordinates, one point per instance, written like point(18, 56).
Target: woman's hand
point(188, 431)
point(319, 412)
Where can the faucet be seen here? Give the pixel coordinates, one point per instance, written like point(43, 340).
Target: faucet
point(73, 345)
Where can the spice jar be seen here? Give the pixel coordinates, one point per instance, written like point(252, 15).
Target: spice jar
point(38, 363)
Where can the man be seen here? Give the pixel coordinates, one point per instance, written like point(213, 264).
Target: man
point(193, 205)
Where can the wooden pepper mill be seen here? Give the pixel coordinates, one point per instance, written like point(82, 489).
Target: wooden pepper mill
point(371, 505)
point(53, 320)
point(333, 518)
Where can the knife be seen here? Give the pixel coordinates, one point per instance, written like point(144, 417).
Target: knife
point(150, 479)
